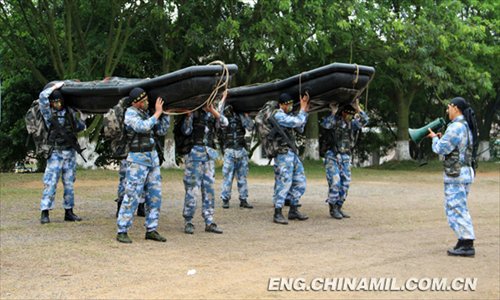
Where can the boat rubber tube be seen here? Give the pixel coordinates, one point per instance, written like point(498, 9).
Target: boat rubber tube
point(338, 82)
point(183, 89)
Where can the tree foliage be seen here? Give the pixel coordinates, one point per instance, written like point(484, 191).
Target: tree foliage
point(424, 51)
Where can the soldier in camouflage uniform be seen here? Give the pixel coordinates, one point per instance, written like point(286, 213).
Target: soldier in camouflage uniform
point(62, 156)
point(199, 173)
point(290, 181)
point(143, 167)
point(342, 127)
point(235, 156)
point(458, 147)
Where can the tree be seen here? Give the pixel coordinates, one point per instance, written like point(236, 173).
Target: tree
point(417, 49)
point(59, 40)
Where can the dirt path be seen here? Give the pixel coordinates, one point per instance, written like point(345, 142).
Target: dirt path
point(398, 230)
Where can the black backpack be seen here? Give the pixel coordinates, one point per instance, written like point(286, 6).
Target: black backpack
point(183, 143)
point(325, 140)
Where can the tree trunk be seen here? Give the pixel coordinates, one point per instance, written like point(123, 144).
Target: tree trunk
point(311, 143)
point(484, 151)
point(169, 150)
point(403, 105)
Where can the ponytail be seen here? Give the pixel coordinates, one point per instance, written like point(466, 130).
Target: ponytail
point(470, 117)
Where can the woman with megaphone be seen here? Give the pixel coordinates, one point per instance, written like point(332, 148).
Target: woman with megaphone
point(457, 145)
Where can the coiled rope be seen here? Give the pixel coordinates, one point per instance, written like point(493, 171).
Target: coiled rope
point(222, 83)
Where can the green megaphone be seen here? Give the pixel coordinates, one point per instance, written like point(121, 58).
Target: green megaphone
point(417, 135)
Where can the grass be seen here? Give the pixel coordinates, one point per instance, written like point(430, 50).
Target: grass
point(313, 168)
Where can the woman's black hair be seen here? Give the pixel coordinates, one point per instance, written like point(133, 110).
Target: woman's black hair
point(470, 117)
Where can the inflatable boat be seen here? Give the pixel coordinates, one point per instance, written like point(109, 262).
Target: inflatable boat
point(338, 82)
point(183, 89)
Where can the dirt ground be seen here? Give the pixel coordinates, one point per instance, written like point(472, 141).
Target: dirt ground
point(398, 230)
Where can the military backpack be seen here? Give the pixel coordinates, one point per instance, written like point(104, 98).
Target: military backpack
point(114, 129)
point(265, 129)
point(37, 129)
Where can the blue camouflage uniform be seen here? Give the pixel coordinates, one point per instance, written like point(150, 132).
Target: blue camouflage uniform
point(456, 189)
point(289, 178)
point(235, 157)
point(199, 172)
point(122, 174)
point(62, 159)
point(143, 171)
point(338, 162)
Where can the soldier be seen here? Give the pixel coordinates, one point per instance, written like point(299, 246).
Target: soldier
point(235, 156)
point(63, 124)
point(459, 147)
point(290, 181)
point(341, 136)
point(199, 173)
point(143, 167)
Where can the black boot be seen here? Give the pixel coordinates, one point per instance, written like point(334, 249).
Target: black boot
point(141, 212)
point(70, 216)
point(44, 219)
point(245, 204)
point(118, 205)
point(344, 215)
point(463, 248)
point(335, 211)
point(278, 217)
point(294, 213)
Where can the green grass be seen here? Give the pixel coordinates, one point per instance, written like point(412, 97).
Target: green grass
point(314, 170)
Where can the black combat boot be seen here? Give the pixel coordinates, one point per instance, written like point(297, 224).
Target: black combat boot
point(225, 203)
point(44, 219)
point(245, 204)
point(344, 215)
point(463, 248)
point(213, 228)
point(335, 211)
point(278, 217)
point(118, 205)
point(141, 211)
point(294, 213)
point(70, 216)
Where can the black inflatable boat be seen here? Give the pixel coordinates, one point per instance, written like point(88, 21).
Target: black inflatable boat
point(183, 89)
point(337, 82)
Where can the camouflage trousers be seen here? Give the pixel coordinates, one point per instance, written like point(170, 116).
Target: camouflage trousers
point(61, 163)
point(338, 176)
point(199, 176)
point(289, 179)
point(122, 173)
point(235, 163)
point(140, 179)
point(456, 209)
